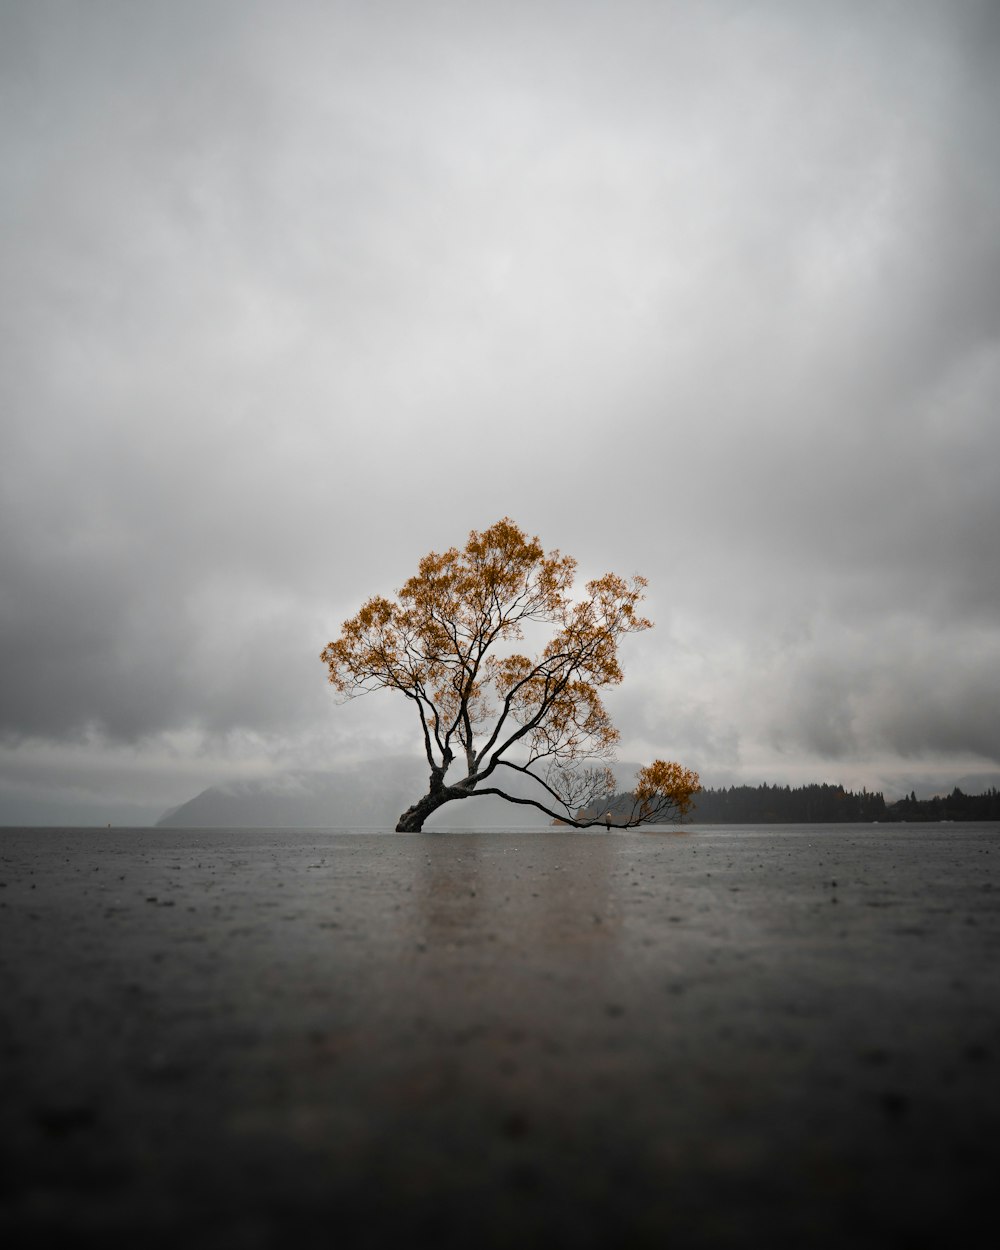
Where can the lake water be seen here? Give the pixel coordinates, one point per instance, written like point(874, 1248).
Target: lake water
point(706, 1036)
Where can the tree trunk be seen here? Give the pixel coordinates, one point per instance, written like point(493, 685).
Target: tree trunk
point(412, 820)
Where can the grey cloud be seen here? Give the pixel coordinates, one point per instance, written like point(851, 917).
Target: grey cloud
point(293, 295)
point(897, 686)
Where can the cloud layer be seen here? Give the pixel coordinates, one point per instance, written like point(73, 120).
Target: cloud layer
point(296, 293)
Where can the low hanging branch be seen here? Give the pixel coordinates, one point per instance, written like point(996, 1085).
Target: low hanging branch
point(448, 645)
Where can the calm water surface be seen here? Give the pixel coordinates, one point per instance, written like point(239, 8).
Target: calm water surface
point(706, 1036)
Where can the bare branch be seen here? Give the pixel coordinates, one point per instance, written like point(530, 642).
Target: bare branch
point(440, 643)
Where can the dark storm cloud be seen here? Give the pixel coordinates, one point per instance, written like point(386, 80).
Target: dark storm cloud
point(294, 294)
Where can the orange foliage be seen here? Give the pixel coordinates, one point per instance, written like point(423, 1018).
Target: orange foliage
point(448, 644)
point(665, 789)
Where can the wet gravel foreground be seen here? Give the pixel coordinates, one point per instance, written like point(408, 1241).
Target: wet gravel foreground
point(715, 1038)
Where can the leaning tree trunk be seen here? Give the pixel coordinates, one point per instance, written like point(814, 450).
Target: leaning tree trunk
point(412, 820)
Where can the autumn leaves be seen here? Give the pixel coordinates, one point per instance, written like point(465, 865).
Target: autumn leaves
point(448, 644)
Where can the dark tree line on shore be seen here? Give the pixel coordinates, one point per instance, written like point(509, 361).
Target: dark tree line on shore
point(826, 804)
point(954, 806)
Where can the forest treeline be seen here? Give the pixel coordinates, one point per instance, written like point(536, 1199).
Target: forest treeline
point(954, 806)
point(787, 805)
point(826, 804)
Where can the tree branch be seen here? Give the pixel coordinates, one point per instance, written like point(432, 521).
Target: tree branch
point(562, 817)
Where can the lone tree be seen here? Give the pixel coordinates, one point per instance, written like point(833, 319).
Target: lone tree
point(446, 644)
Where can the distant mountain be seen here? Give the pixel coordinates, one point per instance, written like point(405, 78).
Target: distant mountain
point(366, 795)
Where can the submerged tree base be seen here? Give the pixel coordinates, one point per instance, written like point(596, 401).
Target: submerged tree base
point(412, 820)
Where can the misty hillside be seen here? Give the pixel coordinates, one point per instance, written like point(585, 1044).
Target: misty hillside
point(368, 795)
point(373, 794)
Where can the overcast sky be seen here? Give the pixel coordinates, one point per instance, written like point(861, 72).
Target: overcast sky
point(293, 293)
